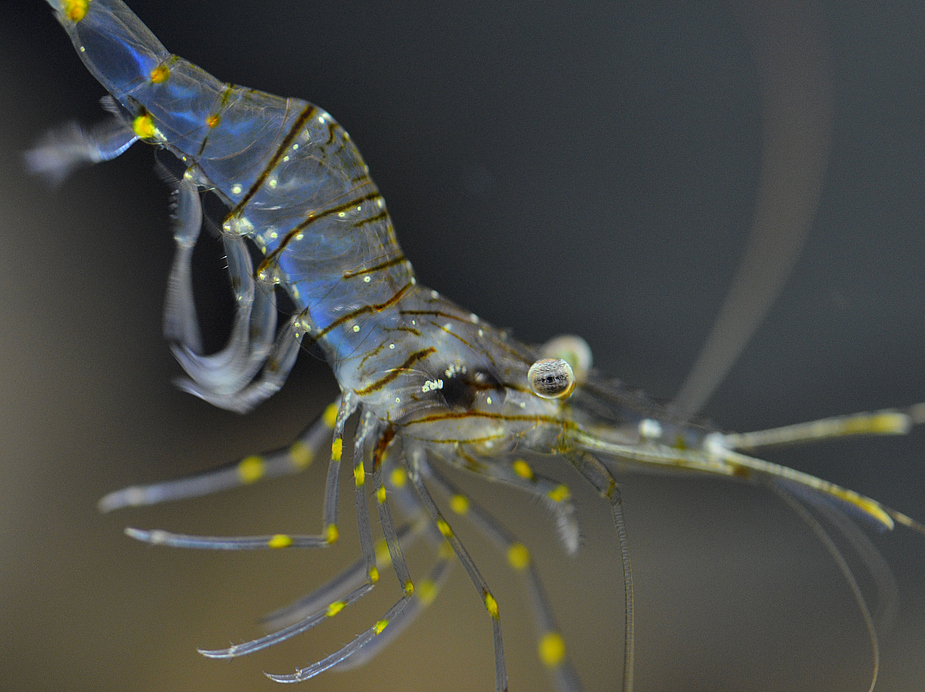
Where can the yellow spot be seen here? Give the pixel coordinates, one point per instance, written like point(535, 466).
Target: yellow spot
point(75, 10)
point(383, 557)
point(381, 625)
point(300, 454)
point(409, 588)
point(518, 556)
point(398, 477)
point(331, 534)
point(552, 649)
point(251, 469)
point(887, 423)
point(380, 494)
point(740, 471)
point(330, 415)
point(280, 540)
point(143, 125)
point(866, 505)
point(159, 74)
point(373, 575)
point(459, 504)
point(445, 552)
point(444, 528)
point(213, 120)
point(335, 608)
point(559, 493)
point(337, 448)
point(359, 475)
point(522, 469)
point(427, 592)
point(492, 605)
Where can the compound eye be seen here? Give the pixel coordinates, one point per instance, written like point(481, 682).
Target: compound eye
point(551, 378)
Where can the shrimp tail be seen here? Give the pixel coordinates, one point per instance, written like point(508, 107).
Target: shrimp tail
point(66, 148)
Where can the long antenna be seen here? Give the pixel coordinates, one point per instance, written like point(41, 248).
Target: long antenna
point(792, 57)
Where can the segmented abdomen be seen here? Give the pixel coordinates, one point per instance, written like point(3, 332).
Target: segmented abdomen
point(293, 180)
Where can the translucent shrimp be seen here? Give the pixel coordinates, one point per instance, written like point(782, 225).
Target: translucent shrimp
point(428, 382)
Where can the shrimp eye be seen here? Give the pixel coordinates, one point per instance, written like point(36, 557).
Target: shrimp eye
point(551, 378)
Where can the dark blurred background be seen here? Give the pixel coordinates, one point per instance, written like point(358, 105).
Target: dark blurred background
point(588, 168)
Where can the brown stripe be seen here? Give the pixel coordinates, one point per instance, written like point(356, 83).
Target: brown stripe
point(382, 444)
point(271, 164)
point(395, 372)
point(439, 313)
point(372, 219)
point(372, 354)
point(332, 128)
point(349, 274)
point(366, 308)
point(309, 221)
point(450, 332)
point(460, 415)
point(469, 440)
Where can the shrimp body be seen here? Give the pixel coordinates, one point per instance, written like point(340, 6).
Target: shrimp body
point(298, 189)
point(415, 368)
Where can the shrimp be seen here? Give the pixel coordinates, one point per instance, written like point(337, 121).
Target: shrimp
point(429, 382)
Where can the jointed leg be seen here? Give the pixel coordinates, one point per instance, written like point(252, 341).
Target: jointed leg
point(602, 481)
point(416, 457)
point(292, 459)
point(329, 532)
point(551, 647)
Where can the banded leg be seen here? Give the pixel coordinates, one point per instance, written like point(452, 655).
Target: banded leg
point(346, 581)
point(284, 461)
point(421, 595)
point(717, 458)
point(416, 458)
point(551, 646)
point(335, 606)
point(329, 533)
point(602, 481)
point(399, 615)
point(883, 422)
point(424, 594)
point(393, 615)
point(554, 495)
point(419, 524)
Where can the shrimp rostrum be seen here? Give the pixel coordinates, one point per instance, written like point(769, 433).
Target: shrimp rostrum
point(429, 383)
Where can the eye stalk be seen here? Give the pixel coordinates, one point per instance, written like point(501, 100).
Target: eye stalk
point(551, 378)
